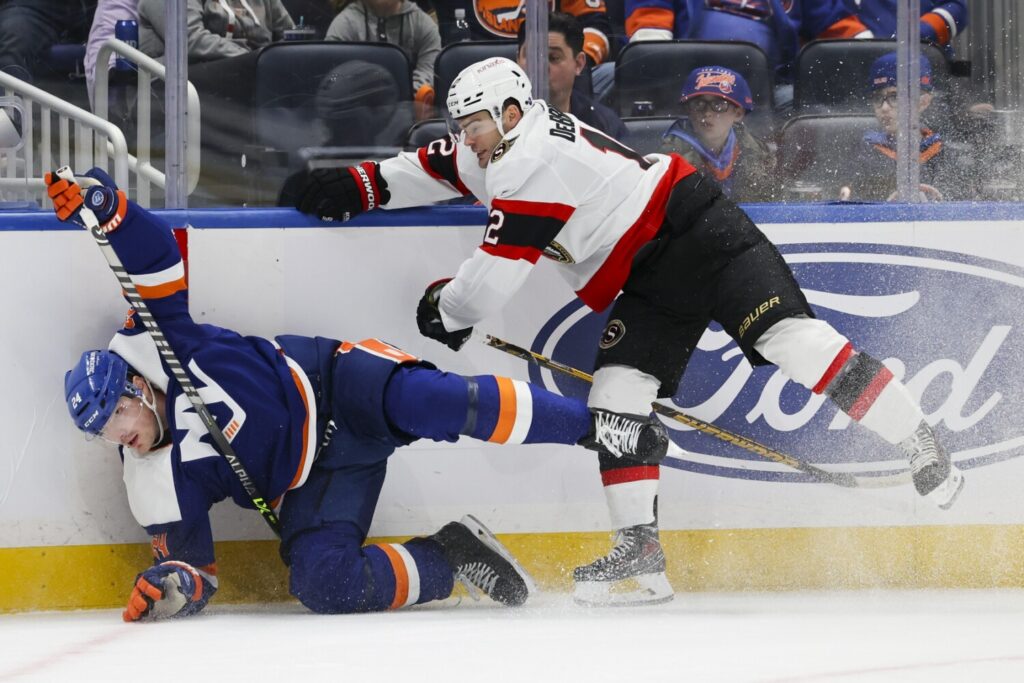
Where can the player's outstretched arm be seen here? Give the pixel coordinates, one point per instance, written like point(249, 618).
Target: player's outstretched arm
point(337, 194)
point(169, 589)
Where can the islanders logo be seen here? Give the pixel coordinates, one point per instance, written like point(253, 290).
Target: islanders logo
point(946, 325)
point(502, 17)
point(723, 82)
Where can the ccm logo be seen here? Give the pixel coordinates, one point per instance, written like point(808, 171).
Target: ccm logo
point(371, 196)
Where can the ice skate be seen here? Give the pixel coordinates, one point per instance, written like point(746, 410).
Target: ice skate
point(637, 558)
point(483, 564)
point(935, 476)
point(624, 434)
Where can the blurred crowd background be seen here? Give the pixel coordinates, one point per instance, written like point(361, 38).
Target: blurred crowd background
point(779, 100)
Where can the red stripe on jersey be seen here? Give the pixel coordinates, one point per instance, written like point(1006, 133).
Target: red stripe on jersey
point(625, 475)
point(606, 283)
point(561, 212)
point(424, 158)
point(512, 252)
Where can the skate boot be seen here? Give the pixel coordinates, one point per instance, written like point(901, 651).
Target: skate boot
point(637, 556)
point(935, 476)
point(482, 563)
point(624, 434)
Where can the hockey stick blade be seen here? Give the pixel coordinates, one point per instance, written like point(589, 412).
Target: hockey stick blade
point(843, 479)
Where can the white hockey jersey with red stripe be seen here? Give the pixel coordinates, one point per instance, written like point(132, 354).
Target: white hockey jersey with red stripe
point(555, 188)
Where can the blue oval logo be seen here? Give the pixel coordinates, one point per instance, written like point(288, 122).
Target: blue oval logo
point(944, 323)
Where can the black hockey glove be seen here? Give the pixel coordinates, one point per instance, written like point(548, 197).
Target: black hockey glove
point(337, 194)
point(428, 318)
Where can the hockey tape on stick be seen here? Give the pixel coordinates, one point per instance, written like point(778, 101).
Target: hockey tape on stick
point(171, 359)
point(843, 479)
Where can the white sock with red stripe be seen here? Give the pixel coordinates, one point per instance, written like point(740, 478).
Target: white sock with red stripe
point(631, 494)
point(813, 353)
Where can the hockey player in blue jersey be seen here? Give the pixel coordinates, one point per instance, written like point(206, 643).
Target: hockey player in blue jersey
point(314, 421)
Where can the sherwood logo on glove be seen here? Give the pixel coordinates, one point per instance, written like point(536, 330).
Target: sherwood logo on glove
point(945, 324)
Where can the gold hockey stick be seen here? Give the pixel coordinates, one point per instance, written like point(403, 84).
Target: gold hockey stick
point(843, 479)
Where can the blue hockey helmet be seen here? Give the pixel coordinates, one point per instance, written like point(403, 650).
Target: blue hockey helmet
point(93, 387)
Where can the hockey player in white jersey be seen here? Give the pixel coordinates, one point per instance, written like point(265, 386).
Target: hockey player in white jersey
point(313, 419)
point(654, 233)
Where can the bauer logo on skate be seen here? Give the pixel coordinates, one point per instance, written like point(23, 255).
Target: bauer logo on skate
point(946, 324)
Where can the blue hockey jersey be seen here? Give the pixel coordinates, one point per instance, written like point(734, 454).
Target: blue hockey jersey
point(778, 27)
point(941, 20)
point(262, 399)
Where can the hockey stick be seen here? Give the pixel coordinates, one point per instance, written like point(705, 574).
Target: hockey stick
point(169, 357)
point(824, 476)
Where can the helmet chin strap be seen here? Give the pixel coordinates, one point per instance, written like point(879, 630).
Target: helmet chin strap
point(151, 404)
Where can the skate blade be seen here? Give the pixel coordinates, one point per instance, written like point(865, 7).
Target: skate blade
point(653, 589)
point(946, 493)
point(492, 542)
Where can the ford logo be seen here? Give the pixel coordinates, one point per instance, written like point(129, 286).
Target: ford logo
point(944, 323)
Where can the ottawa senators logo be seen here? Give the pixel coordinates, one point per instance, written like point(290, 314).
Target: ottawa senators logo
point(556, 252)
point(502, 17)
point(503, 147)
point(614, 331)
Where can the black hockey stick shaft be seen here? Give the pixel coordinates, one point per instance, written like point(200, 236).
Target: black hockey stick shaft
point(824, 476)
point(220, 441)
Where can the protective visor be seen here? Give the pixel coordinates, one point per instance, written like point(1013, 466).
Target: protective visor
point(123, 421)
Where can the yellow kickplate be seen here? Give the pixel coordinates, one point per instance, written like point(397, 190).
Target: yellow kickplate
point(977, 556)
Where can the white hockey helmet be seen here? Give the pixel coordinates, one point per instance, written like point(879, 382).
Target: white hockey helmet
point(486, 85)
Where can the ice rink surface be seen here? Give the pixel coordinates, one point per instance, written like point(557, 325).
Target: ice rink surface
point(912, 637)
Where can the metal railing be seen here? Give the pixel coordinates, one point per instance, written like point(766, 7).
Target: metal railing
point(81, 138)
point(141, 163)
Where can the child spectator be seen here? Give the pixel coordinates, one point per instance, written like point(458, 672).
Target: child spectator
point(401, 23)
point(713, 138)
point(874, 177)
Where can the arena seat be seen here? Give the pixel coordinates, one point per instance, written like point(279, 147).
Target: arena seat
point(815, 154)
point(457, 56)
point(831, 76)
point(646, 132)
point(654, 71)
point(423, 132)
point(288, 75)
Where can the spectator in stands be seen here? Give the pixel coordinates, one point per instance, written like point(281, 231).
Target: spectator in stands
point(357, 104)
point(500, 19)
point(29, 28)
point(216, 28)
point(778, 27)
point(941, 20)
point(401, 23)
point(874, 167)
point(566, 61)
point(108, 13)
point(712, 137)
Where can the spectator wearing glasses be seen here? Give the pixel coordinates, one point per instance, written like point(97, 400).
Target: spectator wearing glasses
point(712, 137)
point(874, 178)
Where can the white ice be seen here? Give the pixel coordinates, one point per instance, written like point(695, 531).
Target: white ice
point(908, 637)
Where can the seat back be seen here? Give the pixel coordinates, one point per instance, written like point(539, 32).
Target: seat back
point(457, 56)
point(288, 76)
point(646, 132)
point(816, 153)
point(424, 132)
point(831, 76)
point(654, 71)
